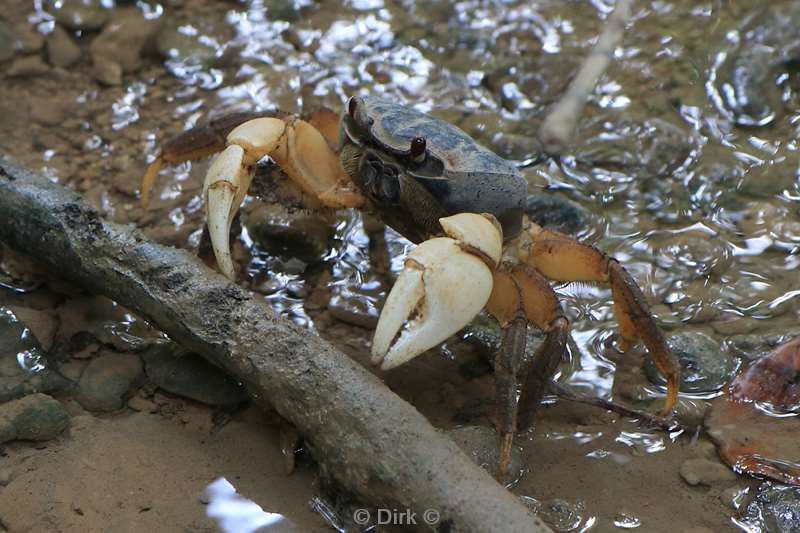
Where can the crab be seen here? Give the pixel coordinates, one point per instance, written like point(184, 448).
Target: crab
point(460, 202)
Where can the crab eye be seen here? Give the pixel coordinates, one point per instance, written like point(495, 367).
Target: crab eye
point(417, 151)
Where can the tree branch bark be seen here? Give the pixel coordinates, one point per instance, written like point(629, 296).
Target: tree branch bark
point(364, 436)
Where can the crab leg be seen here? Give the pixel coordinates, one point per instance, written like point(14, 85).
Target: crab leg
point(521, 295)
point(301, 151)
point(562, 258)
point(445, 283)
point(196, 143)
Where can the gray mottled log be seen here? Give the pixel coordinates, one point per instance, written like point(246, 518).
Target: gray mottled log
point(363, 435)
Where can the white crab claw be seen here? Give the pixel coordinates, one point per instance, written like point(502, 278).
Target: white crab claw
point(441, 289)
point(225, 187)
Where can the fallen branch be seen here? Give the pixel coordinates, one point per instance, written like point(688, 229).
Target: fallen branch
point(363, 436)
point(559, 126)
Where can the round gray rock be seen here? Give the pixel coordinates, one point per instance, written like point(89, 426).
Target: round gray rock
point(705, 368)
point(191, 376)
point(35, 417)
point(107, 381)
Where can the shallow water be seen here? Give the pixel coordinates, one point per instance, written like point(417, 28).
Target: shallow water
point(702, 211)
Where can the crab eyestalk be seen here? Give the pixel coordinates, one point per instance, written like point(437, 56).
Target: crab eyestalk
point(445, 283)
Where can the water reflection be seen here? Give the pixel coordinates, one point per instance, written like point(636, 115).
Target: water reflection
point(236, 514)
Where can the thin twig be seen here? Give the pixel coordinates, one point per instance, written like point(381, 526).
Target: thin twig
point(559, 127)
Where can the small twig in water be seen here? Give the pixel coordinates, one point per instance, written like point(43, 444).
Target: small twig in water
point(559, 126)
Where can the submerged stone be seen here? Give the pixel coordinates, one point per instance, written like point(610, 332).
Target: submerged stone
point(705, 368)
point(556, 213)
point(191, 376)
point(36, 417)
point(108, 380)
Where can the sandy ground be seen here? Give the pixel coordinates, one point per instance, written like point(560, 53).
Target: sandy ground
point(137, 471)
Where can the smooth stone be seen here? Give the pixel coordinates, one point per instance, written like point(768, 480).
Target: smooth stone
point(556, 213)
point(705, 368)
point(29, 66)
point(6, 42)
point(562, 515)
point(62, 51)
point(172, 43)
point(289, 233)
point(79, 15)
point(108, 380)
point(705, 472)
point(107, 72)
point(28, 39)
point(352, 309)
point(35, 417)
point(191, 376)
point(123, 40)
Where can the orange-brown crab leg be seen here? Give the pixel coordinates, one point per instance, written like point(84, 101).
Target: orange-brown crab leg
point(297, 146)
point(196, 143)
point(521, 295)
point(562, 258)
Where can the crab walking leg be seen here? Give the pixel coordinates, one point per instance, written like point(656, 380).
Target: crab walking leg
point(521, 295)
point(296, 146)
point(562, 258)
point(196, 143)
point(445, 283)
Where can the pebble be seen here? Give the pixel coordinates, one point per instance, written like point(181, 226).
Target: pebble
point(28, 39)
point(354, 309)
point(73, 369)
point(284, 10)
point(705, 368)
point(79, 15)
point(27, 67)
point(705, 472)
point(562, 515)
point(172, 43)
point(137, 403)
point(289, 233)
point(48, 112)
point(6, 42)
point(107, 381)
point(118, 48)
point(556, 213)
point(61, 49)
point(107, 72)
point(35, 417)
point(190, 376)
